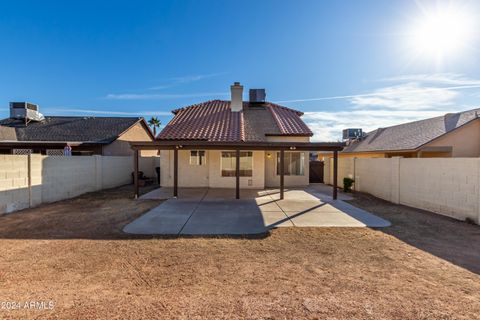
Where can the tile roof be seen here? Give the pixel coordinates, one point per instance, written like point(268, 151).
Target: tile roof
point(214, 121)
point(412, 135)
point(100, 130)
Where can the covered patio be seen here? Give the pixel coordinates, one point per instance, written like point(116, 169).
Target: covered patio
point(281, 147)
point(205, 211)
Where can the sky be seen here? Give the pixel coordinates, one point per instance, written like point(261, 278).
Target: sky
point(346, 64)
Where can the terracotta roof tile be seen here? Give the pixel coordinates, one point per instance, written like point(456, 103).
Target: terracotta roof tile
point(214, 121)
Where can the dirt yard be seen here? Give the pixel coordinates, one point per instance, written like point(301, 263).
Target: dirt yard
point(74, 254)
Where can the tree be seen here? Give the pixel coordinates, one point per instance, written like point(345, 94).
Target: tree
point(154, 123)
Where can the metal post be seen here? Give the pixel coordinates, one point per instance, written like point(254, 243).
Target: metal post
point(237, 174)
point(175, 172)
point(135, 173)
point(282, 173)
point(29, 164)
point(335, 174)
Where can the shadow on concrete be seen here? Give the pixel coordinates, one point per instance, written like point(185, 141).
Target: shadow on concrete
point(202, 211)
point(449, 239)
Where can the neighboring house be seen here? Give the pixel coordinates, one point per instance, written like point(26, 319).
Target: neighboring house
point(108, 136)
point(235, 122)
point(450, 135)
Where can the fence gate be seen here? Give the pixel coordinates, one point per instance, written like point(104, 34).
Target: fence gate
point(316, 172)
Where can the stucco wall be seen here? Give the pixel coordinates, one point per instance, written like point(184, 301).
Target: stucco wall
point(58, 178)
point(288, 139)
point(188, 176)
point(121, 146)
point(257, 180)
point(465, 140)
point(448, 186)
point(273, 180)
point(208, 175)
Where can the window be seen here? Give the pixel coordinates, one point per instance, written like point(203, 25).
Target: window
point(294, 163)
point(228, 163)
point(197, 158)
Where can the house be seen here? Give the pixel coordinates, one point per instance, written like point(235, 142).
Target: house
point(450, 135)
point(235, 121)
point(28, 131)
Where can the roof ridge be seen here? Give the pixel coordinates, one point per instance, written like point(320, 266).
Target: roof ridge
point(423, 120)
point(100, 117)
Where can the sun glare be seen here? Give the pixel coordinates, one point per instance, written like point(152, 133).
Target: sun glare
point(442, 32)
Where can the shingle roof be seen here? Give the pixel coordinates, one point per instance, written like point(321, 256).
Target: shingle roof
point(100, 130)
point(214, 121)
point(412, 135)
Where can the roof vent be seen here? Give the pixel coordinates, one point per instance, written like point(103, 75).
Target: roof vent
point(25, 111)
point(257, 95)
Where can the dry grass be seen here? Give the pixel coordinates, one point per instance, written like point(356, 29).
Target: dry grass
point(73, 252)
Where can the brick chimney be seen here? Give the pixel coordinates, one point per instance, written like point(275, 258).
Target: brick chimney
point(237, 97)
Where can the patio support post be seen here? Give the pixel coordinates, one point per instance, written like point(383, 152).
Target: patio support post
point(335, 174)
point(135, 173)
point(175, 172)
point(282, 172)
point(237, 174)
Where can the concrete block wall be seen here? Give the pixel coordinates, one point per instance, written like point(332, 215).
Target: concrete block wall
point(374, 176)
point(345, 169)
point(13, 183)
point(448, 186)
point(58, 178)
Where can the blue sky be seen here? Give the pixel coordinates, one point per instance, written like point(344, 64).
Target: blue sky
point(344, 63)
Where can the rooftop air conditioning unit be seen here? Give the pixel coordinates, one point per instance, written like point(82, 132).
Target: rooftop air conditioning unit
point(25, 111)
point(352, 134)
point(257, 95)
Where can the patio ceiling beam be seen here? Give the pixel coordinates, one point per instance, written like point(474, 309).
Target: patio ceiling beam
point(216, 145)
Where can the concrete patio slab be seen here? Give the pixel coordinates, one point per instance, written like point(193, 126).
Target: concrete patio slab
point(298, 205)
point(323, 219)
point(166, 193)
point(269, 206)
point(234, 222)
point(161, 220)
point(294, 194)
point(324, 191)
point(228, 205)
point(276, 219)
point(201, 211)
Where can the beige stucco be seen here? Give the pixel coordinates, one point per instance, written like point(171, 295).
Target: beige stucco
point(121, 146)
point(273, 180)
point(288, 138)
point(209, 175)
point(465, 141)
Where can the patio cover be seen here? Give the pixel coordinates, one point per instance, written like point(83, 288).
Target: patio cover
point(176, 145)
